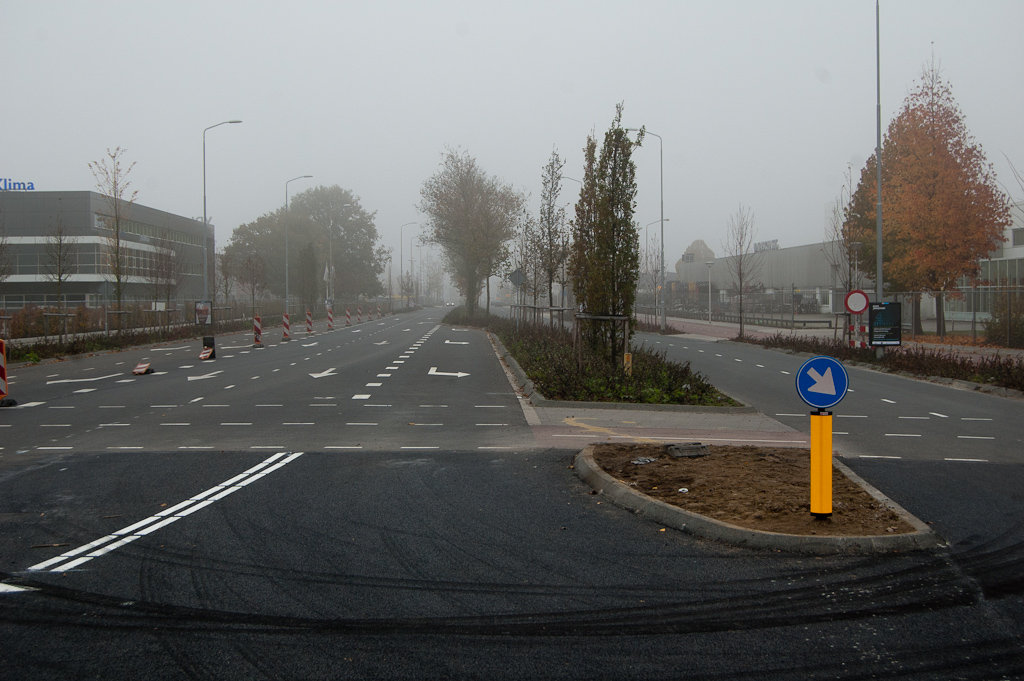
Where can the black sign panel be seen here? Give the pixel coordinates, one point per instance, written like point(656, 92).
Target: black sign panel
point(884, 324)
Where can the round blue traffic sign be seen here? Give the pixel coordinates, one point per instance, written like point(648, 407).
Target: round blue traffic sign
point(822, 382)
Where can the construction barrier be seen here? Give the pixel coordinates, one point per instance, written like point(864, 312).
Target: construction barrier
point(309, 322)
point(378, 310)
point(359, 314)
point(209, 349)
point(287, 328)
point(142, 368)
point(3, 369)
point(348, 317)
point(330, 319)
point(257, 332)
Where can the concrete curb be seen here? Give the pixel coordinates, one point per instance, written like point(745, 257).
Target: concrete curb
point(538, 400)
point(620, 494)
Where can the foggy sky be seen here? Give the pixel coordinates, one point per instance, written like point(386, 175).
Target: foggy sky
point(764, 103)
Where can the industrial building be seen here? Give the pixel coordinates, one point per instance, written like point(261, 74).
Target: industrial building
point(162, 253)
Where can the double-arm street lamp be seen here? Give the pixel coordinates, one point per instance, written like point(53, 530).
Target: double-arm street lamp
point(206, 255)
point(400, 244)
point(286, 280)
point(661, 165)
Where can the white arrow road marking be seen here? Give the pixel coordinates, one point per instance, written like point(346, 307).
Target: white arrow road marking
point(448, 342)
point(323, 374)
point(83, 380)
point(434, 372)
point(309, 345)
point(381, 343)
point(209, 375)
point(822, 384)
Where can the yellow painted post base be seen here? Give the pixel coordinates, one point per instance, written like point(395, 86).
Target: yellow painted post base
point(821, 464)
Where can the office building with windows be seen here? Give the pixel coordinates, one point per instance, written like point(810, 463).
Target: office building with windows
point(161, 253)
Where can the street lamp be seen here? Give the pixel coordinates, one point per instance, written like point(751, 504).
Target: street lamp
point(709, 264)
point(661, 165)
point(400, 244)
point(206, 255)
point(286, 297)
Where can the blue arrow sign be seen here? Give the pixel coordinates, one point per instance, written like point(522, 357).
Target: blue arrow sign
point(822, 381)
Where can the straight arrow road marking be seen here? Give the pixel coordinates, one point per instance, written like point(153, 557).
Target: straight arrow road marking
point(434, 372)
point(209, 375)
point(324, 374)
point(448, 342)
point(83, 380)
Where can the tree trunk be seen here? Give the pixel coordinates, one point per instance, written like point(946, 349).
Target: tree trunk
point(916, 316)
point(940, 316)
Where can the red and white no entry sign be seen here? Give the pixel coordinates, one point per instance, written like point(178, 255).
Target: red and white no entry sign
point(856, 302)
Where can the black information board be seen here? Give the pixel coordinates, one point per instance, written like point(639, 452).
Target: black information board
point(884, 324)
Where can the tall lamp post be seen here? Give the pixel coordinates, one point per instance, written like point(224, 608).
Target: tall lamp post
point(286, 280)
point(206, 254)
point(709, 264)
point(661, 165)
point(401, 242)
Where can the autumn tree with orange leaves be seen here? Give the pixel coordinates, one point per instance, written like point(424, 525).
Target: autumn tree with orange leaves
point(942, 208)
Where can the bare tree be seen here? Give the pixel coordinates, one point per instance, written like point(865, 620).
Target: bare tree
point(840, 249)
point(59, 251)
point(742, 260)
point(552, 229)
point(6, 264)
point(111, 176)
point(165, 270)
point(225, 273)
point(252, 276)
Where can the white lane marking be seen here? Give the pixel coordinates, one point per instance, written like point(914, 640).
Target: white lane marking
point(488, 406)
point(236, 423)
point(759, 366)
point(878, 456)
point(403, 357)
point(492, 424)
point(902, 435)
point(112, 406)
point(85, 390)
point(419, 448)
point(360, 424)
point(851, 416)
point(215, 406)
point(500, 447)
point(123, 380)
point(975, 437)
point(196, 447)
point(198, 399)
point(163, 406)
point(970, 460)
point(205, 376)
point(789, 414)
point(374, 385)
point(125, 447)
point(360, 397)
point(433, 406)
point(132, 532)
point(383, 376)
point(269, 405)
point(391, 368)
point(266, 447)
point(941, 416)
point(888, 401)
point(915, 418)
point(737, 360)
point(175, 424)
point(229, 387)
point(187, 366)
point(967, 418)
point(53, 448)
point(343, 447)
point(325, 374)
point(110, 425)
point(324, 404)
point(298, 423)
point(398, 361)
point(54, 425)
point(60, 407)
point(84, 380)
point(376, 405)
point(785, 372)
point(8, 588)
point(426, 424)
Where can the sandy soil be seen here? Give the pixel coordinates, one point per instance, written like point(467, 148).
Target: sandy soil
point(760, 488)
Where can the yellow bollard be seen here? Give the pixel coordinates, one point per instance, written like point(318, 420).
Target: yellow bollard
point(821, 464)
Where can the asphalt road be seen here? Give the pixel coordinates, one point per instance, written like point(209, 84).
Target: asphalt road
point(282, 516)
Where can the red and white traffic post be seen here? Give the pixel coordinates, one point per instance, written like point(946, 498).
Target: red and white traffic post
point(378, 310)
point(257, 332)
point(359, 314)
point(287, 328)
point(330, 318)
point(856, 303)
point(3, 374)
point(348, 317)
point(309, 322)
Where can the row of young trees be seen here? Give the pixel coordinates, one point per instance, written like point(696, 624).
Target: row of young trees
point(484, 229)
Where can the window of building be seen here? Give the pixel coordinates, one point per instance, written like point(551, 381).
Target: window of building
point(1018, 237)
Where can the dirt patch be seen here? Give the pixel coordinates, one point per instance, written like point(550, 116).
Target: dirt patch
point(759, 488)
